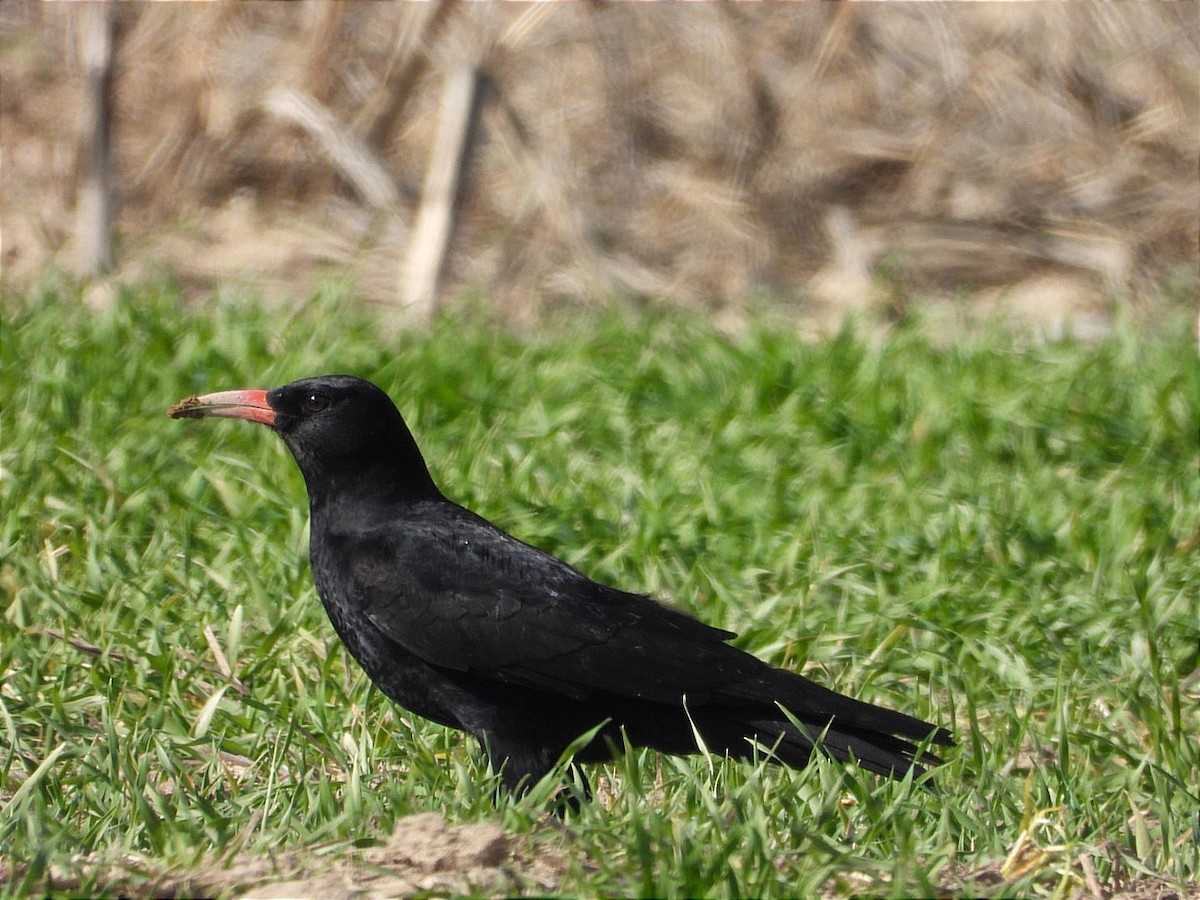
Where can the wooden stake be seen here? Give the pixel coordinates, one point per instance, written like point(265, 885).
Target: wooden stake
point(430, 239)
point(93, 208)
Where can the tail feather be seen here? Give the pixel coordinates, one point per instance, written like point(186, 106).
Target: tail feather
point(810, 701)
point(880, 740)
point(807, 714)
point(790, 718)
point(876, 751)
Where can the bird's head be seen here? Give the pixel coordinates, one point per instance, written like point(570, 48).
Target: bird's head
point(344, 432)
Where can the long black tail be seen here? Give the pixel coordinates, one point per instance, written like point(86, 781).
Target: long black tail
point(880, 740)
point(876, 751)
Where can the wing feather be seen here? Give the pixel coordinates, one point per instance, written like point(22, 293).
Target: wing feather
point(463, 595)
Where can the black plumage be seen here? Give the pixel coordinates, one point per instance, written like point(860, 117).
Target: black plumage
point(464, 624)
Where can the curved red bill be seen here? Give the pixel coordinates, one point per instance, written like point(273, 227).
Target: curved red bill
point(251, 405)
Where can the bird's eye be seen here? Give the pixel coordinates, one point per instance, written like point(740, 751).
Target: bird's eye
point(315, 403)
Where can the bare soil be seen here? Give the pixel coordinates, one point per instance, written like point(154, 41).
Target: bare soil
point(423, 856)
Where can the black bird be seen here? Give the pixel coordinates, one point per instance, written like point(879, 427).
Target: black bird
point(464, 624)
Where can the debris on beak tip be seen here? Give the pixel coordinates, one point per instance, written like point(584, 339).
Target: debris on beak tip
point(187, 408)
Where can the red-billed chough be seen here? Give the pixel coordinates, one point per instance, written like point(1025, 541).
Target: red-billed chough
point(464, 624)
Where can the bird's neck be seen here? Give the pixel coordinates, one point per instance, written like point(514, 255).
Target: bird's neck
point(358, 478)
point(361, 491)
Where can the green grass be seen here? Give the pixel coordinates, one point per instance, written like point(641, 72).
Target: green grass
point(1000, 537)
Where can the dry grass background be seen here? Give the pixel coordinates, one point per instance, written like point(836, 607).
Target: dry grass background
point(1030, 157)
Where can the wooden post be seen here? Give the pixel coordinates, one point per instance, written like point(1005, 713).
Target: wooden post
point(93, 206)
point(430, 238)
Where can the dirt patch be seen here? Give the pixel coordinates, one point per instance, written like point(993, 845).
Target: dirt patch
point(423, 856)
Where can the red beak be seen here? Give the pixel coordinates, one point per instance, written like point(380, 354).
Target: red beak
point(250, 405)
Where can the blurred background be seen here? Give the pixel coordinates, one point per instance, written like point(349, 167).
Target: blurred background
point(1023, 160)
